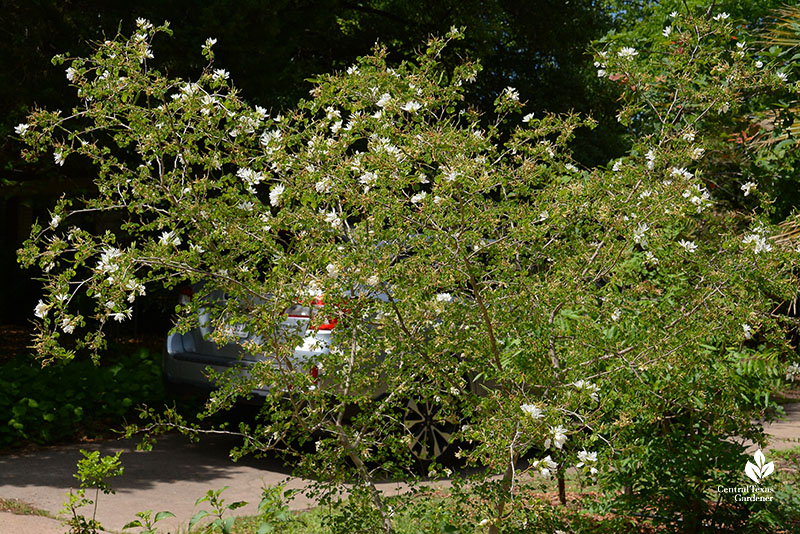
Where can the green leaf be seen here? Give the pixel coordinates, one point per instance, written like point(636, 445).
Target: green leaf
point(197, 517)
point(163, 515)
point(235, 505)
point(132, 524)
point(227, 524)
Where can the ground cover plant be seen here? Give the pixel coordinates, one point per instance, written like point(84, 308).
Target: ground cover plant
point(621, 320)
point(47, 405)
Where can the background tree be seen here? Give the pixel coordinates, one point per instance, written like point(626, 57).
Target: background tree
point(273, 48)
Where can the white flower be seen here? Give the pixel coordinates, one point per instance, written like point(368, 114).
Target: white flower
point(450, 175)
point(760, 243)
point(270, 138)
point(527, 118)
point(697, 195)
point(650, 258)
point(54, 222)
point(71, 73)
point(333, 219)
point(58, 157)
point(412, 107)
point(689, 135)
point(559, 437)
point(169, 238)
point(584, 457)
point(121, 316)
point(627, 53)
point(220, 74)
point(759, 64)
point(437, 199)
point(666, 31)
point(21, 128)
point(332, 113)
point(444, 297)
point(532, 410)
point(697, 153)
point(793, 372)
point(688, 246)
point(137, 287)
point(673, 14)
point(571, 168)
point(722, 16)
point(638, 234)
point(106, 263)
point(333, 270)
point(593, 389)
point(246, 206)
point(681, 172)
point(601, 73)
point(275, 195)
point(511, 93)
point(368, 178)
point(250, 177)
point(335, 127)
point(143, 23)
point(545, 466)
point(40, 310)
point(419, 197)
point(210, 42)
point(383, 100)
point(782, 76)
point(67, 326)
point(353, 69)
point(617, 166)
point(651, 158)
point(748, 331)
point(324, 185)
point(748, 188)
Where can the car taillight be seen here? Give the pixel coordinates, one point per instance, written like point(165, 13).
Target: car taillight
point(186, 294)
point(314, 372)
point(318, 303)
point(329, 325)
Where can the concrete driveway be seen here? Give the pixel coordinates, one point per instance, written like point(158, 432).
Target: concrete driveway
point(176, 473)
point(170, 477)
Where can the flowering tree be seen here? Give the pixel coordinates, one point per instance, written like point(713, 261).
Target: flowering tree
point(584, 317)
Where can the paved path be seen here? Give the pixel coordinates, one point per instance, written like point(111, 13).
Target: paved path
point(785, 434)
point(175, 474)
point(170, 477)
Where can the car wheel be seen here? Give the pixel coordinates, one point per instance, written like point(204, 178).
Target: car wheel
point(431, 435)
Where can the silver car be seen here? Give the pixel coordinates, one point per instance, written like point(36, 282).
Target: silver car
point(188, 358)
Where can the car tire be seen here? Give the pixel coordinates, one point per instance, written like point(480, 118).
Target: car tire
point(431, 436)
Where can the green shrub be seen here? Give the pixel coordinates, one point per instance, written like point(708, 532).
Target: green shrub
point(47, 404)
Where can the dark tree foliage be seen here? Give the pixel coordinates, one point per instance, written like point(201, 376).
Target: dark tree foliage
point(271, 48)
point(540, 47)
